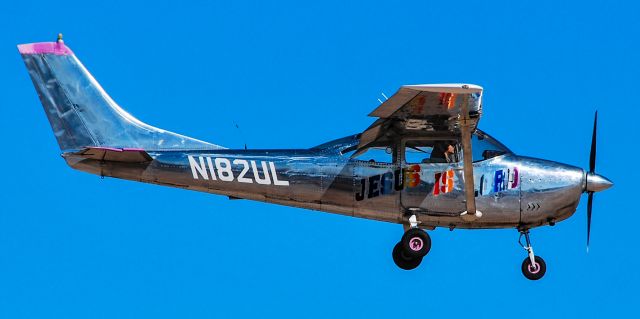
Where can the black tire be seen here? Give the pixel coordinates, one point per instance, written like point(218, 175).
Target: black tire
point(402, 260)
point(534, 273)
point(416, 243)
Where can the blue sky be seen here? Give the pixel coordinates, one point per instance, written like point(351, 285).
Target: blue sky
point(296, 75)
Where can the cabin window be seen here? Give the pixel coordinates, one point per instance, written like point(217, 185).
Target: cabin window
point(382, 154)
point(440, 151)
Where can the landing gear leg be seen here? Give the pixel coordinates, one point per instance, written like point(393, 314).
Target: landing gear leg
point(533, 267)
point(414, 245)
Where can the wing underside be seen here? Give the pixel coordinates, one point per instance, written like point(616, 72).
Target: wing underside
point(425, 110)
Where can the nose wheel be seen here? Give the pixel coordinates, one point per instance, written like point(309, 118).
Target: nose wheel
point(414, 245)
point(533, 267)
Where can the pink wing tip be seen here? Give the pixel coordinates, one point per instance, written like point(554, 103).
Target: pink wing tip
point(45, 48)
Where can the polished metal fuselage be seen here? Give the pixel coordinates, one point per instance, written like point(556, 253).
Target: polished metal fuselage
point(511, 190)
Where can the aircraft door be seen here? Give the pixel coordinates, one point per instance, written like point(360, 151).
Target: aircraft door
point(433, 179)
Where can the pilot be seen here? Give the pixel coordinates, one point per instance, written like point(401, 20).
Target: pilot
point(450, 152)
point(443, 152)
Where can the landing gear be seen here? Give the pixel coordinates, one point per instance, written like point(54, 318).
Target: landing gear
point(402, 260)
point(414, 245)
point(533, 267)
point(534, 271)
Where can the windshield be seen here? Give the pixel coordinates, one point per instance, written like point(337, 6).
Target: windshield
point(485, 147)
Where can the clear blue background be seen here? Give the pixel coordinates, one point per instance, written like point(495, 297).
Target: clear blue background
point(291, 75)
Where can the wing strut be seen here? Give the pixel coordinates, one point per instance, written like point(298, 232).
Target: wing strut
point(469, 189)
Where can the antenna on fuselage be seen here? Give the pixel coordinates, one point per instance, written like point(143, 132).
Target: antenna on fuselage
point(241, 134)
point(385, 98)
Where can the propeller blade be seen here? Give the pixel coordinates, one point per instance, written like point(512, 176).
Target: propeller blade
point(592, 155)
point(589, 204)
point(592, 169)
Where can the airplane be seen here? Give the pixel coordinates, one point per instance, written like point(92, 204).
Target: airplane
point(423, 163)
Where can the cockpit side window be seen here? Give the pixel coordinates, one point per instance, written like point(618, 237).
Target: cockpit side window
point(485, 147)
point(377, 154)
point(431, 151)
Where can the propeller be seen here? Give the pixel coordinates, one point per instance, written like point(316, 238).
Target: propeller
point(592, 170)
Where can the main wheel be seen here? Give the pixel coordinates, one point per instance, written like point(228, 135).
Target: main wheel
point(534, 272)
point(402, 260)
point(416, 243)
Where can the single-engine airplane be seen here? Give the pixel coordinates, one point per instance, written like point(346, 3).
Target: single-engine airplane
point(423, 163)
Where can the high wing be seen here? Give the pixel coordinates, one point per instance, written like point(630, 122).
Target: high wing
point(430, 110)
